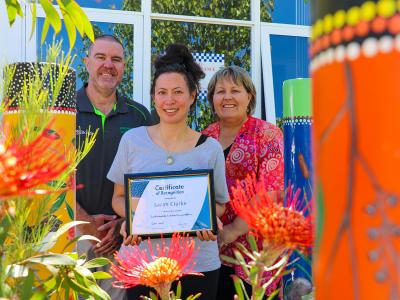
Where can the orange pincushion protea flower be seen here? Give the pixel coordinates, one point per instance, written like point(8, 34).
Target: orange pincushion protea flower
point(155, 270)
point(24, 167)
point(281, 225)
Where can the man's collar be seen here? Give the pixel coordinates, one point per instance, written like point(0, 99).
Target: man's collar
point(84, 104)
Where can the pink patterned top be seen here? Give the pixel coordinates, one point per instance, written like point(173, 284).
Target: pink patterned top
point(258, 147)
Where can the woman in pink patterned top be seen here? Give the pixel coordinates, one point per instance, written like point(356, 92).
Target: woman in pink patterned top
point(250, 145)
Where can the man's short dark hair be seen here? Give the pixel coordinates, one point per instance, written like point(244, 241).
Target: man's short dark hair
point(107, 37)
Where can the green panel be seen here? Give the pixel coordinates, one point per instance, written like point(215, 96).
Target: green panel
point(297, 98)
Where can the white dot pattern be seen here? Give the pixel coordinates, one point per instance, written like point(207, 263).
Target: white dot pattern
point(25, 75)
point(368, 48)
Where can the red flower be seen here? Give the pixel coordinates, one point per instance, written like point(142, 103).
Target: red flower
point(156, 270)
point(281, 225)
point(24, 168)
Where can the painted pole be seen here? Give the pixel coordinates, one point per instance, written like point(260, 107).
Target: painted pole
point(355, 66)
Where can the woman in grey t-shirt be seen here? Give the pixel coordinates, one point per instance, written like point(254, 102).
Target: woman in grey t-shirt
point(172, 146)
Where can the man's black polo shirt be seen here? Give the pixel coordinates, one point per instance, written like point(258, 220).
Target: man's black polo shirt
point(96, 195)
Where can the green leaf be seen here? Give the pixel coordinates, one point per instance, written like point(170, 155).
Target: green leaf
point(51, 241)
point(85, 291)
point(4, 226)
point(38, 296)
point(45, 29)
point(101, 275)
point(84, 272)
point(70, 211)
point(254, 271)
point(191, 297)
point(97, 291)
point(55, 183)
point(52, 259)
point(179, 290)
point(82, 238)
point(153, 296)
point(237, 282)
point(79, 18)
point(273, 294)
point(13, 8)
point(279, 264)
point(252, 241)
point(51, 284)
point(72, 9)
point(27, 285)
point(57, 204)
point(51, 15)
point(33, 25)
point(70, 27)
point(96, 262)
point(229, 259)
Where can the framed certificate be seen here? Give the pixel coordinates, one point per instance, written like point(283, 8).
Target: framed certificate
point(166, 202)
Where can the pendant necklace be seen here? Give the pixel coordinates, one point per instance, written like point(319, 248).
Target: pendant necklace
point(170, 159)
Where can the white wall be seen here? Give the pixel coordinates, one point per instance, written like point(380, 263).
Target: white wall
point(11, 38)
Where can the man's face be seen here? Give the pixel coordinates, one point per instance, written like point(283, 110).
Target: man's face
point(105, 65)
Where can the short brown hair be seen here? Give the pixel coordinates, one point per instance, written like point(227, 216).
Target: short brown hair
point(240, 77)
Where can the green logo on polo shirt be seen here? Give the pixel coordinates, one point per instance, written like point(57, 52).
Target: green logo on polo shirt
point(122, 130)
point(102, 115)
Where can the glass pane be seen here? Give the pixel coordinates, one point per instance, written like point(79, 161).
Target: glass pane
point(226, 9)
point(132, 5)
point(289, 60)
point(215, 42)
point(123, 31)
point(288, 12)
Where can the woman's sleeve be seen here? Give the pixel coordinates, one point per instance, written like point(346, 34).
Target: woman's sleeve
point(271, 163)
point(220, 187)
point(118, 167)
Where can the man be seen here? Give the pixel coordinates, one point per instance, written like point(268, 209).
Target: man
point(101, 107)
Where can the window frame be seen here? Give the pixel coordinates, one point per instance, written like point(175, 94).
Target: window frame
point(268, 29)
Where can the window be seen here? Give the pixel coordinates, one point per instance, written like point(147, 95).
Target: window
point(233, 42)
point(133, 5)
point(289, 57)
point(123, 31)
point(226, 9)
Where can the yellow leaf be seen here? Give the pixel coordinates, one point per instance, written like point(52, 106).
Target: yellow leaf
point(73, 10)
point(69, 25)
point(44, 30)
point(51, 15)
point(33, 11)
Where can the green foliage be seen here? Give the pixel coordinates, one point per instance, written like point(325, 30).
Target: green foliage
point(74, 17)
point(226, 9)
point(267, 7)
point(28, 226)
point(261, 260)
point(173, 295)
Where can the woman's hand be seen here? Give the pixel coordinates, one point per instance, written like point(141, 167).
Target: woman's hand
point(227, 236)
point(131, 239)
point(206, 235)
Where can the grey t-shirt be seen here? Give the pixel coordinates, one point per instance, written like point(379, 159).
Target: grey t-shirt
point(137, 153)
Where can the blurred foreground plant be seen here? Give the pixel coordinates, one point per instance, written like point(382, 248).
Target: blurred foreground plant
point(37, 170)
point(283, 227)
point(72, 14)
point(158, 269)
